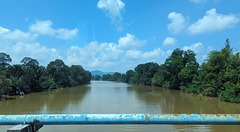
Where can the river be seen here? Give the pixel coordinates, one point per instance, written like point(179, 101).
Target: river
point(102, 97)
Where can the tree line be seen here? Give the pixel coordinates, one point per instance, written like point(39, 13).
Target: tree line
point(116, 76)
point(217, 76)
point(29, 76)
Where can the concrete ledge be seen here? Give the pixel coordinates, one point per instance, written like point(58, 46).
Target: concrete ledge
point(25, 128)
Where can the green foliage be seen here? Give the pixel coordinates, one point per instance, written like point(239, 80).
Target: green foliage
point(115, 77)
point(218, 76)
point(106, 77)
point(59, 72)
point(144, 73)
point(4, 59)
point(231, 92)
point(47, 83)
point(78, 75)
point(97, 77)
point(29, 77)
point(160, 78)
point(189, 71)
point(129, 76)
point(5, 83)
point(174, 64)
point(178, 70)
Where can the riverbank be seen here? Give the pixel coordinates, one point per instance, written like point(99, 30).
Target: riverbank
point(105, 97)
point(218, 76)
point(30, 77)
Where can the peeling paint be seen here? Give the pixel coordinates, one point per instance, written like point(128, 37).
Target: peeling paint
point(61, 119)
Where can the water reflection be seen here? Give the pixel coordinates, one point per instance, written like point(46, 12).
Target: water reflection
point(54, 102)
point(174, 101)
point(112, 97)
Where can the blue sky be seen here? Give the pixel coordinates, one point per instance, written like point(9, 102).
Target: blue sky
point(115, 35)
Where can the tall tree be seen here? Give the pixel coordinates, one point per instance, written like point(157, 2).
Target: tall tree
point(5, 59)
point(32, 73)
point(161, 77)
point(145, 73)
point(59, 72)
point(189, 71)
point(5, 83)
point(78, 75)
point(129, 75)
point(174, 64)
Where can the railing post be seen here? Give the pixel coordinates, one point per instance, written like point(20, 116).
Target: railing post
point(25, 128)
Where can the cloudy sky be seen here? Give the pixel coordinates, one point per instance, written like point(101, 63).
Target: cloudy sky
point(115, 35)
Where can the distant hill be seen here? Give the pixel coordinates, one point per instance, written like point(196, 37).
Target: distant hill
point(97, 72)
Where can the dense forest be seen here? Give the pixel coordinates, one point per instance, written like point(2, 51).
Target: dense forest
point(30, 77)
point(217, 76)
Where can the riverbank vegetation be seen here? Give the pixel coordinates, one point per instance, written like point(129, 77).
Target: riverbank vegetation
point(217, 76)
point(116, 76)
point(29, 76)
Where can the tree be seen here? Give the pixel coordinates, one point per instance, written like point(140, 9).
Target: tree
point(5, 83)
point(231, 83)
point(160, 78)
point(97, 77)
point(78, 75)
point(29, 62)
point(145, 72)
point(116, 77)
point(174, 64)
point(32, 73)
point(59, 72)
point(87, 77)
point(106, 77)
point(128, 76)
point(4, 59)
point(15, 73)
point(189, 71)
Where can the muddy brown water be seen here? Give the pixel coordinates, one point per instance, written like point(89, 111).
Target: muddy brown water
point(101, 97)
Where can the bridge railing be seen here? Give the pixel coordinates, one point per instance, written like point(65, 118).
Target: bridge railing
point(36, 121)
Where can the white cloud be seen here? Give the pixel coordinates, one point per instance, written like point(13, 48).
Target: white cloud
point(130, 42)
point(3, 30)
point(119, 56)
point(113, 9)
point(18, 35)
point(64, 33)
point(43, 54)
point(212, 21)
point(198, 1)
point(19, 44)
point(169, 41)
point(109, 57)
point(133, 55)
point(44, 28)
point(178, 22)
point(197, 47)
point(153, 55)
point(94, 55)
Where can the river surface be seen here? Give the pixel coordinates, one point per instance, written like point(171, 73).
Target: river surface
point(101, 97)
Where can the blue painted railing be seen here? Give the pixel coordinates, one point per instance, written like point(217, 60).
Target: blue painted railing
point(64, 119)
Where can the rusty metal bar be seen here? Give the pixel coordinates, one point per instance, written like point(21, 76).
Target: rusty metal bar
point(64, 119)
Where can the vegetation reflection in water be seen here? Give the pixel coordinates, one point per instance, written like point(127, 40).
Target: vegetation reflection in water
point(113, 97)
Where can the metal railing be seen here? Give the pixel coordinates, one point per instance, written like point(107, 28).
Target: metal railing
point(67, 119)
